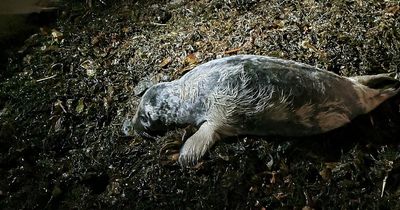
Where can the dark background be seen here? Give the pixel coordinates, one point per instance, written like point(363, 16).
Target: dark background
point(69, 79)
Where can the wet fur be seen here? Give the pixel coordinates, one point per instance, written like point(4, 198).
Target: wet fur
point(255, 95)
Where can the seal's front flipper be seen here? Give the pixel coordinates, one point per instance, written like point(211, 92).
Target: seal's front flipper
point(198, 144)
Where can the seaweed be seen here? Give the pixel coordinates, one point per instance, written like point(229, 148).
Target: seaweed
point(65, 93)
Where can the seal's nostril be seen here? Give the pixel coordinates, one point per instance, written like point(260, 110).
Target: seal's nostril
point(127, 127)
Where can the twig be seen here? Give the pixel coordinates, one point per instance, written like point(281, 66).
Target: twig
point(232, 51)
point(384, 185)
point(158, 24)
point(46, 78)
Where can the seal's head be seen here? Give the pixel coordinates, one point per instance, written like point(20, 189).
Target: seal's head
point(151, 114)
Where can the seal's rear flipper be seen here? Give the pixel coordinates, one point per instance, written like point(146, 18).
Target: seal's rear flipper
point(198, 144)
point(375, 89)
point(379, 81)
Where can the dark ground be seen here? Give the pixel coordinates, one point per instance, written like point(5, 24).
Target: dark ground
point(64, 94)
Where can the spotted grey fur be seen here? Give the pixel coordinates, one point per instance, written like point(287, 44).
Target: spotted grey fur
point(254, 95)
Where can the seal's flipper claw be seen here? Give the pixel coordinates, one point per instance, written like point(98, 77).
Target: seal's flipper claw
point(198, 144)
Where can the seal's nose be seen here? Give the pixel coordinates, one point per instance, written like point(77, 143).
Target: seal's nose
point(127, 127)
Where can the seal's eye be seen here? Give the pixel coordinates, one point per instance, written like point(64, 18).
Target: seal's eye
point(143, 119)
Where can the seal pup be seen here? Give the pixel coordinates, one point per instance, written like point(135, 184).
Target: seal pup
point(255, 95)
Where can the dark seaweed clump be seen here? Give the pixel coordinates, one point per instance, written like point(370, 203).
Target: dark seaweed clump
point(64, 94)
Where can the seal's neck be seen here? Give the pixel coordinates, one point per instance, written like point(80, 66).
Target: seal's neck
point(180, 108)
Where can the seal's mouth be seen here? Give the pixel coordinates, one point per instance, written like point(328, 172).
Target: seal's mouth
point(146, 135)
point(135, 127)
